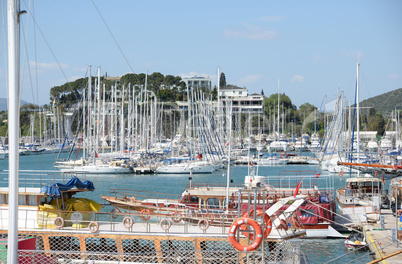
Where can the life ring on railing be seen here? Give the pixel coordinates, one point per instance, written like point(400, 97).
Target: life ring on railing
point(296, 222)
point(58, 225)
point(210, 217)
point(145, 214)
point(176, 217)
point(203, 224)
point(165, 224)
point(93, 227)
point(341, 173)
point(232, 234)
point(283, 225)
point(267, 222)
point(128, 222)
point(114, 213)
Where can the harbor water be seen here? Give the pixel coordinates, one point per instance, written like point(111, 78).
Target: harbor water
point(317, 250)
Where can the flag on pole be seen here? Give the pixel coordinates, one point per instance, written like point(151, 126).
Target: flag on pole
point(318, 175)
point(297, 188)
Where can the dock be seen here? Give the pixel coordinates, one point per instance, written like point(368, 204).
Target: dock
point(380, 241)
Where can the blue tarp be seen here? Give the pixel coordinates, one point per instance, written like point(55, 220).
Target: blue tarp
point(56, 189)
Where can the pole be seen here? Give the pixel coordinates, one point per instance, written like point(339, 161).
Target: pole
point(13, 127)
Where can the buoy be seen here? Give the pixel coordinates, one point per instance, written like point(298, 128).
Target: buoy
point(57, 224)
point(145, 214)
point(176, 217)
point(232, 234)
point(93, 227)
point(267, 221)
point(128, 222)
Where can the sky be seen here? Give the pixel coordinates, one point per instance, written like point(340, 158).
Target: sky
point(309, 48)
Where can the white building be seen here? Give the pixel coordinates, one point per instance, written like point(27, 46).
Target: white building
point(198, 82)
point(241, 100)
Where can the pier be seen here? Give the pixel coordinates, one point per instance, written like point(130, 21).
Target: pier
point(380, 240)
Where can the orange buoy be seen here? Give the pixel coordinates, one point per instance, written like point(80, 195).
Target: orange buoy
point(176, 217)
point(145, 214)
point(232, 234)
point(267, 221)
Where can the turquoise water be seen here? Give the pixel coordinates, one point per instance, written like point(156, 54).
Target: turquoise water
point(317, 250)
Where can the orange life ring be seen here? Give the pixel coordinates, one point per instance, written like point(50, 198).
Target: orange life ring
point(267, 221)
point(283, 225)
point(128, 222)
point(341, 173)
point(210, 217)
point(232, 234)
point(145, 214)
point(176, 217)
point(165, 224)
point(296, 222)
point(93, 227)
point(203, 224)
point(56, 220)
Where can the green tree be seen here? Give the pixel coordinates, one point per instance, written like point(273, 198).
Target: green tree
point(222, 80)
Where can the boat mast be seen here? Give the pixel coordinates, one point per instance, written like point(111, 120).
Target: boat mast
point(358, 115)
point(278, 111)
point(13, 13)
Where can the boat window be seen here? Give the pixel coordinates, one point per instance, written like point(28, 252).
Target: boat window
point(64, 243)
point(308, 213)
point(213, 203)
point(100, 244)
point(194, 199)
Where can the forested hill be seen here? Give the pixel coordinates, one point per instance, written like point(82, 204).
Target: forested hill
point(385, 103)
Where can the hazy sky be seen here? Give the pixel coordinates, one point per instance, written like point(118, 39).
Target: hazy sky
point(312, 47)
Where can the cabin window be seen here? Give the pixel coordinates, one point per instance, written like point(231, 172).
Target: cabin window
point(201, 201)
point(213, 203)
point(64, 243)
point(140, 250)
point(308, 213)
point(170, 248)
point(194, 199)
point(100, 244)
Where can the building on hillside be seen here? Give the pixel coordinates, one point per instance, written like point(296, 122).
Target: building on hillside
point(241, 100)
point(197, 82)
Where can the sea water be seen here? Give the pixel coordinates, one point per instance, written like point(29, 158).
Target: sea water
point(317, 250)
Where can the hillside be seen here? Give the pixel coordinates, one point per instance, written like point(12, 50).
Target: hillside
point(385, 103)
point(3, 104)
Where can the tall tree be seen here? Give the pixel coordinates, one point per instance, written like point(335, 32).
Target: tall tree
point(222, 80)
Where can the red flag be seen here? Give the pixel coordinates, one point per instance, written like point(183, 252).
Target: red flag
point(251, 164)
point(96, 155)
point(297, 188)
point(227, 144)
point(318, 175)
point(383, 177)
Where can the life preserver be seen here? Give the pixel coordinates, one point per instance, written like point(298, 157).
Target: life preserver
point(232, 234)
point(296, 222)
point(93, 227)
point(283, 225)
point(165, 224)
point(203, 224)
point(176, 217)
point(267, 221)
point(114, 213)
point(341, 173)
point(210, 217)
point(55, 222)
point(128, 222)
point(145, 214)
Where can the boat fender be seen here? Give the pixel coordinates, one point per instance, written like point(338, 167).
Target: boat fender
point(59, 222)
point(145, 214)
point(210, 217)
point(93, 227)
point(341, 173)
point(267, 222)
point(232, 234)
point(203, 224)
point(128, 222)
point(165, 224)
point(176, 217)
